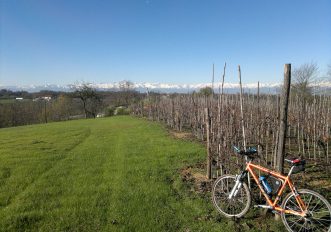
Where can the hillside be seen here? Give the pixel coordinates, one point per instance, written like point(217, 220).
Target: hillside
point(111, 174)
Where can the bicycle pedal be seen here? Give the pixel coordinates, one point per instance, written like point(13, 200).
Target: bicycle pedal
point(263, 206)
point(275, 212)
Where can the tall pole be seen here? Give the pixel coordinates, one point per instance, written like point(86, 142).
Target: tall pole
point(208, 143)
point(242, 118)
point(283, 118)
point(213, 79)
point(241, 108)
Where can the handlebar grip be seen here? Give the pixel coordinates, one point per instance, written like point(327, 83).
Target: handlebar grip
point(251, 150)
point(236, 149)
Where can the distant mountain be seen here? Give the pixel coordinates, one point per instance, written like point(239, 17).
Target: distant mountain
point(37, 88)
point(270, 88)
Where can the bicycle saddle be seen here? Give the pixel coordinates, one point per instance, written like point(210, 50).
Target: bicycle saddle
point(295, 162)
point(298, 165)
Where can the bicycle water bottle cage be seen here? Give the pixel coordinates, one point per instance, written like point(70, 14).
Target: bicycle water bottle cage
point(267, 188)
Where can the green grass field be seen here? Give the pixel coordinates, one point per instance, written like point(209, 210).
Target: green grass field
point(110, 174)
point(11, 100)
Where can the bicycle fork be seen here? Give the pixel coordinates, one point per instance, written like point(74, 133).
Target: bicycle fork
point(238, 184)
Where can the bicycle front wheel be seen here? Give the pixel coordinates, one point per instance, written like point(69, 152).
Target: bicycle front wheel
point(235, 207)
point(318, 212)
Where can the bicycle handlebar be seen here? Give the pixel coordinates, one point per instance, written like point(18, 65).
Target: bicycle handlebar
point(249, 151)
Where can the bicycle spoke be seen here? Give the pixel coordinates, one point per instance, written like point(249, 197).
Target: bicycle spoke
point(318, 210)
point(296, 222)
point(303, 226)
point(309, 201)
point(221, 191)
point(315, 205)
point(324, 211)
point(296, 205)
point(320, 225)
point(320, 222)
point(318, 218)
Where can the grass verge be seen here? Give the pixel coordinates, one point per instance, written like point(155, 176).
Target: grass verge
point(109, 174)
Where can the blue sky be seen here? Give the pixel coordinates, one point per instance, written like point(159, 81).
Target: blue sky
point(173, 41)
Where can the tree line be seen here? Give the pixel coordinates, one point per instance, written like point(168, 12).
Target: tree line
point(22, 108)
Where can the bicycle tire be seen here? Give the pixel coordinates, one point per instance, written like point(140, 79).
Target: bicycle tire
point(319, 217)
point(237, 206)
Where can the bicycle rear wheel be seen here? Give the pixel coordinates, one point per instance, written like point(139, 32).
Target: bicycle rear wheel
point(238, 205)
point(318, 217)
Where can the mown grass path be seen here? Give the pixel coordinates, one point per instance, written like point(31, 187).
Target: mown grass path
point(112, 174)
point(90, 175)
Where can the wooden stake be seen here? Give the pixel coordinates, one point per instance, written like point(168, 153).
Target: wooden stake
point(241, 108)
point(212, 83)
point(208, 143)
point(283, 118)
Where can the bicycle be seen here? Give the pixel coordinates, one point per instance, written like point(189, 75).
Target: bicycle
point(301, 210)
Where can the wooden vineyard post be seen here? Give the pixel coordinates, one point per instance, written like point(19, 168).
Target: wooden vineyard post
point(241, 108)
point(220, 127)
point(212, 82)
point(208, 143)
point(283, 118)
point(242, 118)
point(327, 143)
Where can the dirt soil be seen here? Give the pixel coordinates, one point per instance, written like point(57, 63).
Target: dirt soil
point(194, 175)
point(182, 135)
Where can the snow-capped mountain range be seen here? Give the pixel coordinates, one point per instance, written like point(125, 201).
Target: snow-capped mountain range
point(162, 87)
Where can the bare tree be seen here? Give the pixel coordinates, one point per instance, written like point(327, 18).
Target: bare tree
point(126, 85)
point(329, 72)
point(127, 89)
point(90, 99)
point(61, 108)
point(305, 78)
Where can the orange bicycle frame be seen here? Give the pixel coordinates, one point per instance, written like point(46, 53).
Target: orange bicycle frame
point(286, 181)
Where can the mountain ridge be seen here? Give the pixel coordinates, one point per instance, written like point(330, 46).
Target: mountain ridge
point(160, 87)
